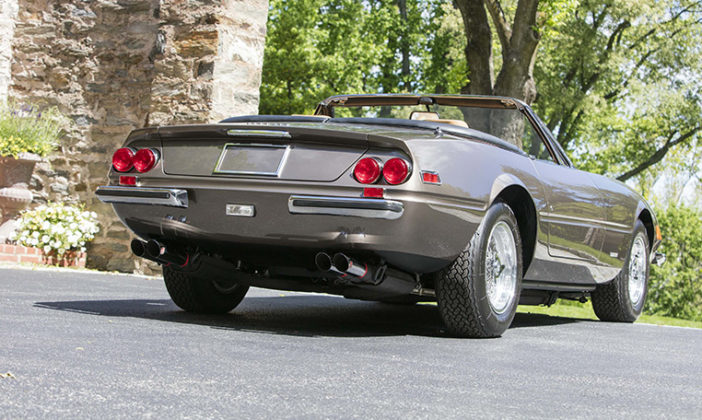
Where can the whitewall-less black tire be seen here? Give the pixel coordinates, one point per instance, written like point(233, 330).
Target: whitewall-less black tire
point(623, 299)
point(479, 292)
point(195, 294)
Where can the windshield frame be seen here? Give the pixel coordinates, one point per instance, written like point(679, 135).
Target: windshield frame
point(326, 108)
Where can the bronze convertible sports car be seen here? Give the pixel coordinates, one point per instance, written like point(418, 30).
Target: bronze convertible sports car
point(465, 200)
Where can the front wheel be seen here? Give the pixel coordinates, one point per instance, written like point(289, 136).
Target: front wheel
point(479, 292)
point(622, 299)
point(195, 294)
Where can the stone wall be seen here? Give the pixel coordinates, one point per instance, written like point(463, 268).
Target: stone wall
point(8, 14)
point(112, 66)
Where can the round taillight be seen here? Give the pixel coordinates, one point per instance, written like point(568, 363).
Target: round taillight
point(367, 171)
point(395, 171)
point(123, 159)
point(144, 160)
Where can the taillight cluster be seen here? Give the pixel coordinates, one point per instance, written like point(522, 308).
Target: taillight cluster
point(126, 158)
point(394, 171)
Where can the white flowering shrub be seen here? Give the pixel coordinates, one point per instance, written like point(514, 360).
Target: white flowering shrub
point(56, 228)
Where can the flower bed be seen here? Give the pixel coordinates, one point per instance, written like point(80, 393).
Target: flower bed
point(57, 229)
point(24, 254)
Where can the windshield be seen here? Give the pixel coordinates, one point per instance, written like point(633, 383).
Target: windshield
point(508, 124)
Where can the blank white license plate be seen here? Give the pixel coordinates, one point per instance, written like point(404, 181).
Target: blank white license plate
point(251, 159)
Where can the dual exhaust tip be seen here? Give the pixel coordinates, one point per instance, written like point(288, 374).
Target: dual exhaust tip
point(158, 252)
point(345, 266)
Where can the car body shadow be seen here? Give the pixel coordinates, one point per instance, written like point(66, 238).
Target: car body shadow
point(309, 315)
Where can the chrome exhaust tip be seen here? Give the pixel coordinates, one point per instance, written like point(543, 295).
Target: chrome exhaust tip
point(323, 261)
point(159, 252)
point(349, 266)
point(138, 248)
point(153, 249)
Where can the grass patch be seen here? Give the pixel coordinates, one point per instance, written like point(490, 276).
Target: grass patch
point(584, 311)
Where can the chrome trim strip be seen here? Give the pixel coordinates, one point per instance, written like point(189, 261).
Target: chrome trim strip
point(259, 133)
point(562, 218)
point(346, 206)
point(136, 195)
point(275, 174)
point(563, 287)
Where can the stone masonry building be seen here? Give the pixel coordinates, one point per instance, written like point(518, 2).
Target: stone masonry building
point(112, 66)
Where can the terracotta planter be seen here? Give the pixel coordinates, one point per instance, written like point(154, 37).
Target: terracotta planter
point(15, 174)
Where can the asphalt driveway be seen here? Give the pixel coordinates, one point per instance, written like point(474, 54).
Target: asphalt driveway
point(91, 345)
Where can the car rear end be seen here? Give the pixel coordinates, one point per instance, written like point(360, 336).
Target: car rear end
point(278, 195)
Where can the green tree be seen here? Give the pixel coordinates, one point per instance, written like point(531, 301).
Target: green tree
point(506, 67)
point(619, 82)
point(675, 289)
point(443, 62)
point(317, 48)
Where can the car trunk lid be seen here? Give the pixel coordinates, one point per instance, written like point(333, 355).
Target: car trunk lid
point(302, 153)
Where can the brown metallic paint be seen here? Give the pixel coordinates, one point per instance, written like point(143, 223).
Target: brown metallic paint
point(583, 220)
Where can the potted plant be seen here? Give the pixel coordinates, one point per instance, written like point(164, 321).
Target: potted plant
point(27, 134)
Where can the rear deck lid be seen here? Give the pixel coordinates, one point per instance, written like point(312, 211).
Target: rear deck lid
point(296, 155)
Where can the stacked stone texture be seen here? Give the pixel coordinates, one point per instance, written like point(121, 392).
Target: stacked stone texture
point(113, 66)
point(8, 14)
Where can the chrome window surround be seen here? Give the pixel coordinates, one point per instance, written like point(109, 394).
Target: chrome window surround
point(137, 195)
point(346, 206)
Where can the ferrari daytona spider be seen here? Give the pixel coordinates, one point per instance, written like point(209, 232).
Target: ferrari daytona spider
point(463, 200)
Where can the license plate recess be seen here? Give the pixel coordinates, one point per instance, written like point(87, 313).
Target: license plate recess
point(252, 159)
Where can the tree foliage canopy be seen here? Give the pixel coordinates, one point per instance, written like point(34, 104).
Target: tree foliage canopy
point(317, 48)
point(619, 82)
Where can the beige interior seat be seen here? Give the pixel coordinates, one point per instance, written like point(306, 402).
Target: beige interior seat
point(424, 115)
point(434, 117)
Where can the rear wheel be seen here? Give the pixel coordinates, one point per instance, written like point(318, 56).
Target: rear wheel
point(479, 292)
point(622, 299)
point(195, 294)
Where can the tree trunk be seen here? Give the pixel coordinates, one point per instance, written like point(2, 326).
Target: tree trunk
point(516, 77)
point(478, 47)
point(405, 47)
point(519, 42)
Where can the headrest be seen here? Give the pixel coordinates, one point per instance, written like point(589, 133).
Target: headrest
point(423, 115)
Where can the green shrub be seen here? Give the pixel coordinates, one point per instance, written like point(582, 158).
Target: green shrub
point(26, 128)
point(676, 288)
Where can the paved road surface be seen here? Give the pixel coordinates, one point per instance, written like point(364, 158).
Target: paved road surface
point(89, 345)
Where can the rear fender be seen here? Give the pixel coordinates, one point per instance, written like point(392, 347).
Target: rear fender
point(501, 183)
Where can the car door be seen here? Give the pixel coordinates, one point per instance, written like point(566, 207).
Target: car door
point(620, 208)
point(574, 214)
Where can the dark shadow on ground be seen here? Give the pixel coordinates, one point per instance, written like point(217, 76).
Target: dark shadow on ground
point(297, 315)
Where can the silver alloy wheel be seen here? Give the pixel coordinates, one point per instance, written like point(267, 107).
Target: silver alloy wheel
point(501, 267)
point(637, 270)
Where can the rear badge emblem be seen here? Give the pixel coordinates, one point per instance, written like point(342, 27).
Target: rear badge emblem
point(243, 210)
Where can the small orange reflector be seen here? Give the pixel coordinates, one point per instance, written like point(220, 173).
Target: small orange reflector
point(658, 233)
point(373, 192)
point(127, 180)
point(430, 177)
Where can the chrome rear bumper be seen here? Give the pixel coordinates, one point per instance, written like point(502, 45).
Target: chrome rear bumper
point(346, 206)
point(136, 195)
